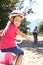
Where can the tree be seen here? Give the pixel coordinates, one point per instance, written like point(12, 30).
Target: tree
point(41, 27)
point(6, 6)
point(23, 26)
point(26, 10)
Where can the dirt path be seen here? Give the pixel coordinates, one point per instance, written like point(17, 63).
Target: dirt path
point(33, 54)
point(31, 58)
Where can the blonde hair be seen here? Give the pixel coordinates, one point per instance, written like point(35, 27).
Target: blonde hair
point(12, 18)
point(6, 27)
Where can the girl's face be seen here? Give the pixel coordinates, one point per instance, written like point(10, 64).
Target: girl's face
point(17, 20)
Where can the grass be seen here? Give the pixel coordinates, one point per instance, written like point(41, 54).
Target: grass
point(40, 34)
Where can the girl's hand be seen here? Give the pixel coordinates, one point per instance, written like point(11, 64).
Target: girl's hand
point(29, 39)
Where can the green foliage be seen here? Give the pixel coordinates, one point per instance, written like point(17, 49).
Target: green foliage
point(23, 26)
point(41, 27)
point(41, 34)
point(6, 6)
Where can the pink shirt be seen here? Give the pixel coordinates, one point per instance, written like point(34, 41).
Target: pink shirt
point(8, 37)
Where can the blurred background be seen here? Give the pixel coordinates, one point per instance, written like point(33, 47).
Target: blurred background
point(32, 10)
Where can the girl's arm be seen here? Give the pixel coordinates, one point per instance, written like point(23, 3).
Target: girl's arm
point(22, 34)
point(1, 32)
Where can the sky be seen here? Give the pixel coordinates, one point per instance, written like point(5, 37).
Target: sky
point(37, 16)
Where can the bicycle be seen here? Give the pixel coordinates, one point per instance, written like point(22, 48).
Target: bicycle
point(7, 58)
point(35, 39)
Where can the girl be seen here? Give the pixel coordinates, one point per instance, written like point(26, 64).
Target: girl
point(8, 43)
